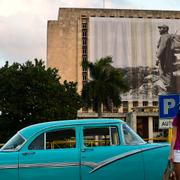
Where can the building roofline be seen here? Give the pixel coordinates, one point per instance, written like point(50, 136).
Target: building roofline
point(114, 9)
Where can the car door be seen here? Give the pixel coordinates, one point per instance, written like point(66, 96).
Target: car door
point(53, 154)
point(9, 166)
point(105, 156)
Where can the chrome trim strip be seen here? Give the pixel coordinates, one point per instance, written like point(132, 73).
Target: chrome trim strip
point(89, 164)
point(44, 140)
point(40, 165)
point(155, 147)
point(49, 165)
point(113, 159)
point(9, 166)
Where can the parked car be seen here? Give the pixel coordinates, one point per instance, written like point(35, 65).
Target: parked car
point(81, 150)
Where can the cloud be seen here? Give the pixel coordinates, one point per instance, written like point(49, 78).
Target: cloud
point(151, 5)
point(23, 26)
point(23, 23)
point(82, 3)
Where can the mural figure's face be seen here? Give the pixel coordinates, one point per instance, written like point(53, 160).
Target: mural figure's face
point(163, 30)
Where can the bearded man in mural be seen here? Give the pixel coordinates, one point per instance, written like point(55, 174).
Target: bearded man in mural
point(165, 54)
point(168, 55)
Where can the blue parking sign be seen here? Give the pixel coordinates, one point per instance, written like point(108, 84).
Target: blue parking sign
point(168, 105)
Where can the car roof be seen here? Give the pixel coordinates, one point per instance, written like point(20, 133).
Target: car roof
point(30, 130)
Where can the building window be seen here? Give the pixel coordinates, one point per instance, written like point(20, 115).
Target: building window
point(84, 83)
point(84, 77)
point(84, 42)
point(155, 103)
point(84, 25)
point(155, 124)
point(125, 106)
point(145, 103)
point(85, 73)
point(84, 33)
point(125, 109)
point(84, 58)
point(84, 70)
point(125, 103)
point(135, 103)
point(84, 50)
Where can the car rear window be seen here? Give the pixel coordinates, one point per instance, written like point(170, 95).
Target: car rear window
point(101, 136)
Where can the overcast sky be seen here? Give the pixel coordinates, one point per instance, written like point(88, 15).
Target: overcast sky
point(23, 23)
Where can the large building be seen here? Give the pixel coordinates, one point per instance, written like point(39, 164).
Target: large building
point(131, 38)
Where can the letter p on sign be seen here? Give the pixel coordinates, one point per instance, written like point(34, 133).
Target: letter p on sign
point(168, 106)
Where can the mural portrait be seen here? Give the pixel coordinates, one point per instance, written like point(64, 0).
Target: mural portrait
point(147, 50)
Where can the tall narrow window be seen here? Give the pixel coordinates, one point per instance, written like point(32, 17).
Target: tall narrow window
point(84, 48)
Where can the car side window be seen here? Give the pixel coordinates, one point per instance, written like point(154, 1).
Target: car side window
point(101, 136)
point(58, 139)
point(38, 143)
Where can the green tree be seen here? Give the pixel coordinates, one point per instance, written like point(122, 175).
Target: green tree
point(104, 86)
point(30, 94)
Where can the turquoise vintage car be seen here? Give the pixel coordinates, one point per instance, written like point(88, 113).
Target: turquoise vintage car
point(81, 150)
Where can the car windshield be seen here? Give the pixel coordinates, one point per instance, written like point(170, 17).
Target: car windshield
point(14, 143)
point(130, 137)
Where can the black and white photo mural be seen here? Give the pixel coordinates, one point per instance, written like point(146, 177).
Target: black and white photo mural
point(148, 50)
